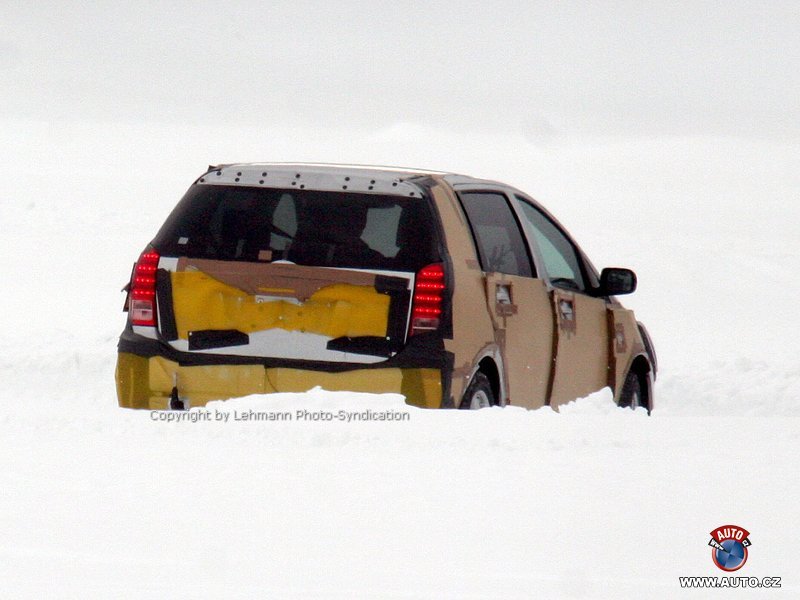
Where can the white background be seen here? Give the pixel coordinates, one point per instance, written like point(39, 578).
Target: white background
point(666, 139)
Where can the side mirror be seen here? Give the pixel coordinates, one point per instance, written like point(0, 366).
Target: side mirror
point(615, 281)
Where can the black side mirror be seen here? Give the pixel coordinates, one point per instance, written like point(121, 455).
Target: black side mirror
point(615, 281)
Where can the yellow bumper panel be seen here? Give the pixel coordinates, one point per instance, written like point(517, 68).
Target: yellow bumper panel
point(148, 382)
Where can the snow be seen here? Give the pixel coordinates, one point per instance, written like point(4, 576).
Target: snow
point(593, 501)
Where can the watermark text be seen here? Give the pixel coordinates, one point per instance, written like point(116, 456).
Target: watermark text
point(299, 415)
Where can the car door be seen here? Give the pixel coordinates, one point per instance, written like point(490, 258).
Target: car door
point(582, 346)
point(517, 301)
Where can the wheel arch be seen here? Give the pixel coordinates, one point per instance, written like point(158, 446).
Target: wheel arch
point(489, 368)
point(649, 348)
point(642, 366)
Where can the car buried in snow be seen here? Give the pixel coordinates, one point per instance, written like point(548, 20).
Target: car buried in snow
point(454, 291)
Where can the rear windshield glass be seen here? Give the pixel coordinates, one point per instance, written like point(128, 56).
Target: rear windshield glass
point(328, 229)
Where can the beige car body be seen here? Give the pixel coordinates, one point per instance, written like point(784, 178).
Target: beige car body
point(536, 342)
point(543, 357)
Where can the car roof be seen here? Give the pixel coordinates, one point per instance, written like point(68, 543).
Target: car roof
point(332, 168)
point(328, 176)
point(383, 171)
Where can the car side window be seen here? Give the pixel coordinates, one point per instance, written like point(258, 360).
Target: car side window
point(501, 246)
point(561, 261)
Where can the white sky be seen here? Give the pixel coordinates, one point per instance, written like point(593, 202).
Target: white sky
point(539, 68)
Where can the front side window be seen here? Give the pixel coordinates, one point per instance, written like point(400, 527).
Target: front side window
point(501, 247)
point(561, 261)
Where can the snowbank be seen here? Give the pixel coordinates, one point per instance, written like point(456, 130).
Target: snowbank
point(594, 501)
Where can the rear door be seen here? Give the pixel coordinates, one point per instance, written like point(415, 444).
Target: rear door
point(290, 274)
point(582, 348)
point(516, 300)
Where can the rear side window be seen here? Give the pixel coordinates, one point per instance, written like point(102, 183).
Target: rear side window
point(328, 229)
point(501, 247)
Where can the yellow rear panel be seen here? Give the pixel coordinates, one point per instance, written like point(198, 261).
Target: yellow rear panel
point(148, 382)
point(204, 303)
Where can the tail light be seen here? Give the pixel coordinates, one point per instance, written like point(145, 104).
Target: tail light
point(143, 289)
point(426, 310)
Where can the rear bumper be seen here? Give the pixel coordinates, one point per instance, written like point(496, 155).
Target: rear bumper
point(147, 372)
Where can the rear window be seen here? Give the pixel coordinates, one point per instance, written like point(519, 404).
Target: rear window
point(328, 229)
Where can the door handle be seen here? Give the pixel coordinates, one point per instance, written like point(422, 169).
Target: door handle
point(504, 300)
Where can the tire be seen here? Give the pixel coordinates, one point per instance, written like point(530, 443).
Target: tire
point(479, 393)
point(634, 392)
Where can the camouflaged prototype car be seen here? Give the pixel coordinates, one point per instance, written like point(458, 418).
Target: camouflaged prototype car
point(454, 291)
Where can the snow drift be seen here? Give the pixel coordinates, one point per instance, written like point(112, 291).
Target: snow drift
point(594, 501)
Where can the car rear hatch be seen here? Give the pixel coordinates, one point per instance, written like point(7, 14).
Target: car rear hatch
point(296, 265)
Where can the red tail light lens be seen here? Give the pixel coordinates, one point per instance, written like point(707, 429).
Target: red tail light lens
point(426, 309)
point(143, 290)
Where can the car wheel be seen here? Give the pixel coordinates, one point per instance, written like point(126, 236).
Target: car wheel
point(633, 392)
point(479, 394)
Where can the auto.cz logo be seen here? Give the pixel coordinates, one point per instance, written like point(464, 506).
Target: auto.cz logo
point(729, 544)
point(721, 581)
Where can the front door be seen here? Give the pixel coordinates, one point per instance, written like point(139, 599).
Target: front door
point(582, 347)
